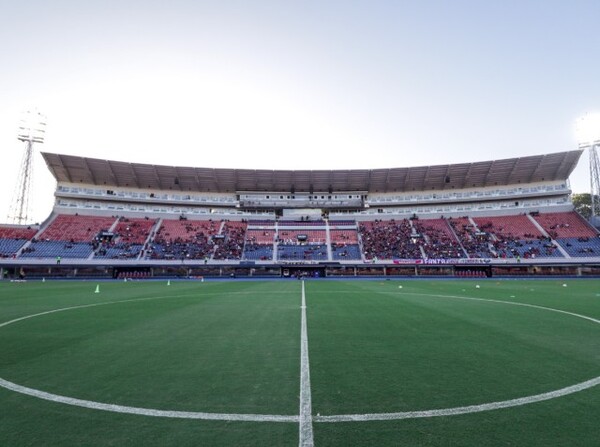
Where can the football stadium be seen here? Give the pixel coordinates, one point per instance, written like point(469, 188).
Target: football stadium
point(306, 224)
point(193, 306)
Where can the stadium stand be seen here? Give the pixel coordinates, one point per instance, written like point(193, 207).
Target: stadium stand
point(496, 212)
point(13, 238)
point(184, 239)
point(301, 223)
point(69, 236)
point(517, 237)
point(509, 227)
point(565, 225)
point(390, 239)
point(344, 244)
point(302, 252)
point(301, 244)
point(440, 242)
point(295, 237)
point(133, 231)
point(76, 228)
point(259, 244)
point(572, 232)
point(126, 241)
point(475, 242)
point(230, 242)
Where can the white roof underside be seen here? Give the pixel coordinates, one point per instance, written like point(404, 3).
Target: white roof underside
point(110, 173)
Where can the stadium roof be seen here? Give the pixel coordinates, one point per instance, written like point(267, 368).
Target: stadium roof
point(109, 173)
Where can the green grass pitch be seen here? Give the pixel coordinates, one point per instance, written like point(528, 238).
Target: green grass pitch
point(234, 348)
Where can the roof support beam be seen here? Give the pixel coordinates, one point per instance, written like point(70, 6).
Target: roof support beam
point(426, 176)
point(447, 176)
point(466, 177)
point(487, 174)
point(67, 172)
point(91, 174)
point(512, 171)
point(134, 176)
point(561, 165)
point(112, 172)
point(542, 159)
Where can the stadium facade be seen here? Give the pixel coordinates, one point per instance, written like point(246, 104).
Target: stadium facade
point(116, 219)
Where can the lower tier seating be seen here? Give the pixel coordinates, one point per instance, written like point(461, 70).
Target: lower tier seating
point(582, 247)
point(10, 247)
point(317, 252)
point(53, 249)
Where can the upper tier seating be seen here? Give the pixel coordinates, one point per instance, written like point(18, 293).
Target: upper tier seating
point(13, 232)
point(261, 237)
point(132, 230)
point(565, 225)
point(512, 227)
point(75, 228)
point(343, 236)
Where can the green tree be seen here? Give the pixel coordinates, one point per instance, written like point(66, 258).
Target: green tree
point(583, 204)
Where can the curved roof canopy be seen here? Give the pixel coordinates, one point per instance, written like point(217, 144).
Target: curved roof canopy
point(92, 171)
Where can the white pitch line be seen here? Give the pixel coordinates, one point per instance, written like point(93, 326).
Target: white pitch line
point(306, 428)
point(145, 411)
point(126, 409)
point(513, 303)
point(460, 410)
point(305, 419)
point(83, 306)
point(474, 408)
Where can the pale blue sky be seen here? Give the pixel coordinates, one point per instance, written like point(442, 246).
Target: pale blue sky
point(302, 85)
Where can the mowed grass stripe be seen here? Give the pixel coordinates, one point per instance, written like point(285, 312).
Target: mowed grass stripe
point(20, 299)
point(224, 352)
point(383, 350)
point(569, 420)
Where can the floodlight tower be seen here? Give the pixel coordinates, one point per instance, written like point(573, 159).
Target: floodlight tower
point(32, 129)
point(588, 137)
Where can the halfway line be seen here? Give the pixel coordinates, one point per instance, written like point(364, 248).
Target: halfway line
point(306, 428)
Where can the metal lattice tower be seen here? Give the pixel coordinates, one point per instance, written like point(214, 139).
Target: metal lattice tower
point(595, 179)
point(588, 136)
point(32, 130)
